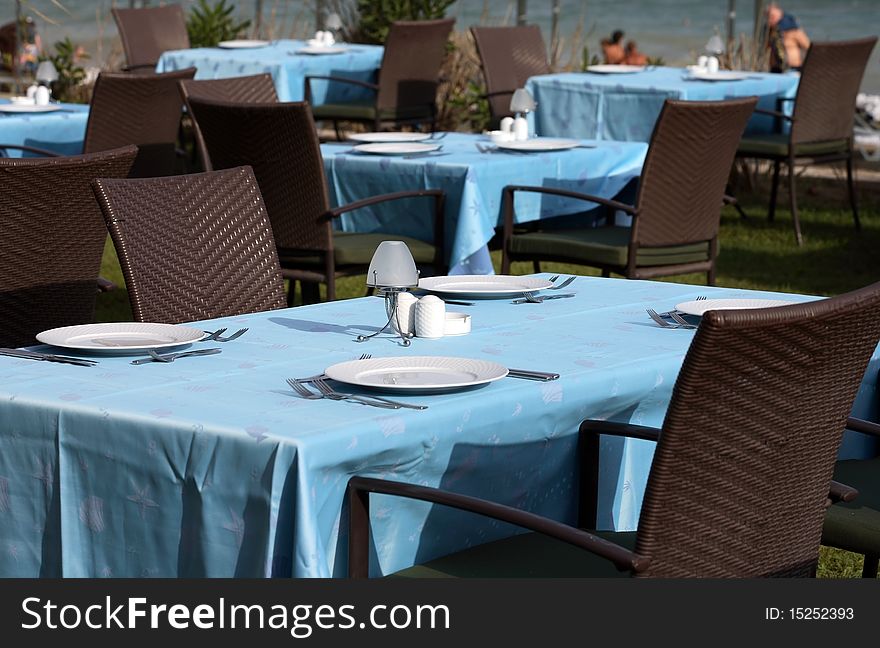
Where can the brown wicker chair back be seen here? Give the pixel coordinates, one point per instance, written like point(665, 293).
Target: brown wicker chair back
point(740, 478)
point(410, 72)
point(281, 143)
point(509, 56)
point(258, 88)
point(138, 109)
point(193, 247)
point(52, 238)
point(147, 32)
point(826, 96)
point(686, 170)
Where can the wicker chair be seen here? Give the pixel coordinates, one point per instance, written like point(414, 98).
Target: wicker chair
point(678, 210)
point(280, 142)
point(52, 237)
point(509, 56)
point(406, 91)
point(855, 526)
point(741, 475)
point(193, 247)
point(259, 88)
point(821, 123)
point(138, 109)
point(148, 32)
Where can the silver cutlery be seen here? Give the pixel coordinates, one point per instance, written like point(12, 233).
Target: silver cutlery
point(327, 392)
point(427, 154)
point(663, 323)
point(171, 357)
point(458, 303)
point(678, 319)
point(669, 313)
point(532, 375)
point(212, 335)
point(532, 298)
point(234, 336)
point(553, 278)
point(47, 357)
point(564, 284)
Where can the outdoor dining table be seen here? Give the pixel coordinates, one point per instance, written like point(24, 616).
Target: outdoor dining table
point(473, 172)
point(61, 131)
point(287, 65)
point(625, 106)
point(212, 466)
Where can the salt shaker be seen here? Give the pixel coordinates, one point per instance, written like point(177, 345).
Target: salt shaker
point(702, 62)
point(520, 129)
point(712, 65)
point(32, 91)
point(41, 96)
point(507, 125)
point(430, 317)
point(405, 320)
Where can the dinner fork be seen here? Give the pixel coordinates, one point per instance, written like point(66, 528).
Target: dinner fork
point(171, 357)
point(209, 335)
point(662, 322)
point(564, 284)
point(329, 392)
point(230, 338)
point(669, 313)
point(302, 390)
point(532, 298)
point(678, 319)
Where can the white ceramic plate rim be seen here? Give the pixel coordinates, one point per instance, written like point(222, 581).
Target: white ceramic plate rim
point(396, 148)
point(698, 307)
point(375, 138)
point(242, 44)
point(540, 144)
point(720, 75)
point(28, 108)
point(332, 49)
point(68, 337)
point(350, 372)
point(615, 69)
point(495, 285)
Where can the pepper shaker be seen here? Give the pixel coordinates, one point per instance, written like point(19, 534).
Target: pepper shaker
point(430, 317)
point(405, 317)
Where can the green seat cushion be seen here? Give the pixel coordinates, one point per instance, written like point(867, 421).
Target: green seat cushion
point(528, 555)
point(367, 111)
point(602, 245)
point(777, 145)
point(856, 526)
point(357, 249)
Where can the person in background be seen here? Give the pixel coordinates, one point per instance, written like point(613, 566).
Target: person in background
point(787, 41)
point(633, 56)
point(612, 48)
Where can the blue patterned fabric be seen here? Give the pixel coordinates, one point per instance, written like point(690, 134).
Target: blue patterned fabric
point(626, 106)
point(60, 131)
point(473, 182)
point(288, 69)
point(211, 466)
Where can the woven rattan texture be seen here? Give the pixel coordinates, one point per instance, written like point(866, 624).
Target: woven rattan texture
point(740, 478)
point(414, 52)
point(827, 90)
point(137, 109)
point(258, 88)
point(509, 56)
point(52, 238)
point(281, 144)
point(193, 247)
point(686, 170)
point(147, 32)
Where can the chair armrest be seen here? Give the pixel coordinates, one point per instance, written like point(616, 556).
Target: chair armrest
point(30, 149)
point(612, 428)
point(509, 190)
point(439, 197)
point(838, 492)
point(139, 66)
point(774, 113)
point(105, 285)
point(364, 84)
point(359, 489)
point(866, 427)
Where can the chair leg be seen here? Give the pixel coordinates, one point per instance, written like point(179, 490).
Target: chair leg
point(774, 190)
point(337, 131)
point(710, 277)
point(872, 561)
point(311, 292)
point(291, 292)
point(606, 273)
point(537, 266)
point(331, 288)
point(792, 198)
point(850, 183)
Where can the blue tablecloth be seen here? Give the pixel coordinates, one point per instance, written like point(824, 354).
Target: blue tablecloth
point(473, 182)
point(288, 69)
point(211, 466)
point(626, 106)
point(61, 131)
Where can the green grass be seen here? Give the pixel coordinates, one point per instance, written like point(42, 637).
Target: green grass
point(755, 254)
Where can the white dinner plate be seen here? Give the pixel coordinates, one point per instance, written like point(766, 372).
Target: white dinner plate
point(477, 286)
point(396, 148)
point(699, 307)
point(242, 44)
point(615, 69)
point(720, 75)
point(537, 144)
point(322, 49)
point(28, 108)
point(417, 373)
point(123, 338)
point(371, 138)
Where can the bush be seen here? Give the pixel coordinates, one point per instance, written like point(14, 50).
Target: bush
point(71, 74)
point(376, 16)
point(209, 24)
